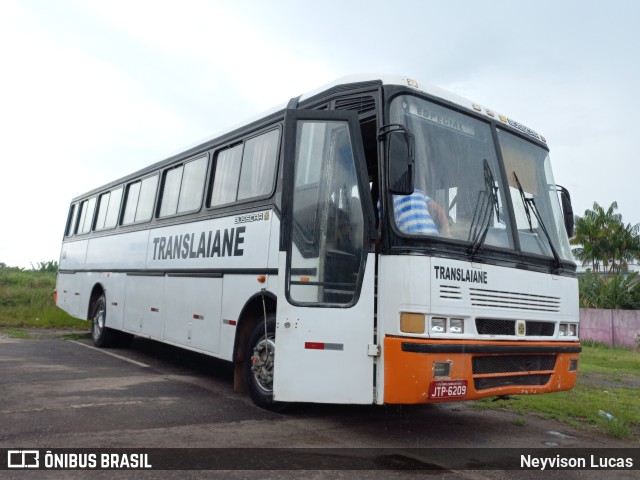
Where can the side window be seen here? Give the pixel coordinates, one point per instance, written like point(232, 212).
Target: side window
point(192, 185)
point(170, 192)
point(225, 181)
point(258, 165)
point(71, 221)
point(108, 209)
point(245, 171)
point(114, 208)
point(147, 199)
point(140, 199)
point(87, 209)
point(183, 187)
point(103, 205)
point(133, 192)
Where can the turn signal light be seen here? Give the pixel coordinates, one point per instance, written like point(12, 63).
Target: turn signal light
point(412, 322)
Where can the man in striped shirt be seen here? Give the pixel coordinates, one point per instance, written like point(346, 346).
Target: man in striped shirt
point(419, 214)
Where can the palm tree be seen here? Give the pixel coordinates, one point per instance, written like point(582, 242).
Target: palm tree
point(604, 240)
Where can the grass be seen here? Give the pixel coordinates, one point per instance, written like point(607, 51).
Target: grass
point(26, 300)
point(599, 365)
point(601, 358)
point(16, 333)
point(75, 336)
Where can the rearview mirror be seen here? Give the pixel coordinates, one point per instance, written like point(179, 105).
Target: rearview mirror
point(400, 161)
point(567, 210)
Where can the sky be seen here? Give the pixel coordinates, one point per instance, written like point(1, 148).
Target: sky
point(91, 91)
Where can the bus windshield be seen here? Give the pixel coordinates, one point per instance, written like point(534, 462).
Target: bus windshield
point(460, 192)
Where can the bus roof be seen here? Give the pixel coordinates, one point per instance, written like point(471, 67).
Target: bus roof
point(399, 80)
point(429, 89)
point(363, 79)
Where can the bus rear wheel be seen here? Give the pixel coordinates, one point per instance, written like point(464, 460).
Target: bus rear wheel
point(258, 365)
point(101, 335)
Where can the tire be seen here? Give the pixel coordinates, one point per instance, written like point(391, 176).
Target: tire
point(258, 366)
point(101, 335)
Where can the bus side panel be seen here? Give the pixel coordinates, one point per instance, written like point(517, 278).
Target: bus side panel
point(233, 242)
point(238, 289)
point(144, 305)
point(274, 243)
point(122, 252)
point(87, 281)
point(69, 293)
point(193, 312)
point(69, 283)
point(114, 285)
point(73, 255)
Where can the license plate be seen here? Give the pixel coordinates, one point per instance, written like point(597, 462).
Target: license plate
point(448, 389)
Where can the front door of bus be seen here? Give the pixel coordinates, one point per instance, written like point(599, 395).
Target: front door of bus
point(325, 313)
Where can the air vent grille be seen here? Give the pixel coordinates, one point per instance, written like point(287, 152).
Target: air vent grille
point(357, 104)
point(513, 300)
point(450, 292)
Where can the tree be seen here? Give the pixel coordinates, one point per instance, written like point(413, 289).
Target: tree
point(50, 266)
point(605, 241)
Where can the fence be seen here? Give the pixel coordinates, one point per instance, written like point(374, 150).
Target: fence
point(613, 327)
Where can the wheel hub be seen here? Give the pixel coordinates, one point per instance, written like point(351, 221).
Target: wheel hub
point(262, 364)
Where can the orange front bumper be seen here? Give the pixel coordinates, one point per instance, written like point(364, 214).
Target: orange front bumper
point(490, 368)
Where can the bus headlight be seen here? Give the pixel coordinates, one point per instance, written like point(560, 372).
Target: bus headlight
point(456, 325)
point(438, 325)
point(568, 330)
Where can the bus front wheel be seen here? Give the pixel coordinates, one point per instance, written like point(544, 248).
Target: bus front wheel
point(258, 365)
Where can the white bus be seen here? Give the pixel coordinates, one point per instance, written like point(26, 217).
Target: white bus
point(376, 241)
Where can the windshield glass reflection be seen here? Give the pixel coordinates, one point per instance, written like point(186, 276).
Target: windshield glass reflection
point(460, 192)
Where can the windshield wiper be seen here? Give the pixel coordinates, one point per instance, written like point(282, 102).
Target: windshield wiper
point(524, 201)
point(487, 202)
point(530, 206)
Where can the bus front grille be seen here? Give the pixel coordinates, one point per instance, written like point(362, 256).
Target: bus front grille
point(492, 371)
point(488, 326)
point(512, 363)
point(515, 380)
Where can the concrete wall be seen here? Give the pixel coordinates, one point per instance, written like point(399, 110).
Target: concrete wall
point(613, 327)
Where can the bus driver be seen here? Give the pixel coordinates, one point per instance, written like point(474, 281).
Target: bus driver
point(419, 214)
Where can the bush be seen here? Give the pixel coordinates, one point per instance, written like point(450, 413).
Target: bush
point(26, 298)
point(617, 291)
point(51, 266)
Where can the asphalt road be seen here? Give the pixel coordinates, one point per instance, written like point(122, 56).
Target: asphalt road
point(58, 393)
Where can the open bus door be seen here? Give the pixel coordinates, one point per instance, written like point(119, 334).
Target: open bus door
point(325, 313)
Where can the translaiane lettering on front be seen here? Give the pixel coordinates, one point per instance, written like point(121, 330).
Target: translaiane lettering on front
point(460, 274)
